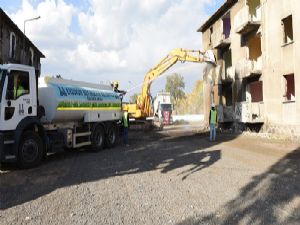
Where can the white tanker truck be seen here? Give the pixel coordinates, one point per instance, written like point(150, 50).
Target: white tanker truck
point(45, 115)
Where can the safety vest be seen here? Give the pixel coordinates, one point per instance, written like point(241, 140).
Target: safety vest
point(18, 91)
point(213, 116)
point(125, 119)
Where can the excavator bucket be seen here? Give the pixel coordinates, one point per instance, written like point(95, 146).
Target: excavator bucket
point(210, 57)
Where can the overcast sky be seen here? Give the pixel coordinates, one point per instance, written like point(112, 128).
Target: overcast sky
point(106, 40)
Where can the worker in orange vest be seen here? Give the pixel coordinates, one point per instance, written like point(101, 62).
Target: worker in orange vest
point(212, 122)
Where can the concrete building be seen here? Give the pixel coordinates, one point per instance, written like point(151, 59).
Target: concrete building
point(256, 83)
point(15, 47)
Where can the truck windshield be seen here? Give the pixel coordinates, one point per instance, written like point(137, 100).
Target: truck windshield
point(2, 77)
point(166, 107)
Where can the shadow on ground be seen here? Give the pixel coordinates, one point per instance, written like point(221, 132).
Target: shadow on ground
point(270, 198)
point(146, 153)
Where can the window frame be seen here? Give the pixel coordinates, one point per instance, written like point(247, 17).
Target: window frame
point(284, 24)
point(285, 88)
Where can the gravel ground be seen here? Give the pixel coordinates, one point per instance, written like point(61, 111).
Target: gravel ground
point(171, 177)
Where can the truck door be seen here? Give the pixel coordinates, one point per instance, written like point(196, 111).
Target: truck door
point(17, 104)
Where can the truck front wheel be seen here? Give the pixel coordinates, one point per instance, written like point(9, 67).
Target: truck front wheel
point(30, 152)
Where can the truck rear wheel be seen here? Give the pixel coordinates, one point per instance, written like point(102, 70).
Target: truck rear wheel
point(30, 151)
point(111, 136)
point(98, 138)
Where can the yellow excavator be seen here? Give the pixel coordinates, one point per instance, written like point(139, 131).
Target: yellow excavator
point(142, 109)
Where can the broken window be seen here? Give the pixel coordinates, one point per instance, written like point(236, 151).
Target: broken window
point(254, 9)
point(227, 59)
point(241, 89)
point(254, 46)
point(289, 84)
point(227, 93)
point(211, 30)
point(287, 24)
point(226, 26)
point(256, 91)
point(225, 55)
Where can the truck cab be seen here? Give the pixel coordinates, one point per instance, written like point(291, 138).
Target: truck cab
point(18, 95)
point(163, 108)
point(18, 105)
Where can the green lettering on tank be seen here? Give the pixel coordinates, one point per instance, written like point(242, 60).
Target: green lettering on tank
point(75, 104)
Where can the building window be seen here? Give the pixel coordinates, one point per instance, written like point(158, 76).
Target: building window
point(13, 43)
point(287, 24)
point(226, 91)
point(256, 91)
point(31, 56)
point(226, 26)
point(289, 87)
point(211, 30)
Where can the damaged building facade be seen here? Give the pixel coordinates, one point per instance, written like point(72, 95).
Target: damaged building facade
point(256, 83)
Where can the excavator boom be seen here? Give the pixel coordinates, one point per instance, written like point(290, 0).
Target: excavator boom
point(142, 108)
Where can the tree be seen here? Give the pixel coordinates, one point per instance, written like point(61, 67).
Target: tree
point(175, 85)
point(134, 97)
point(193, 103)
point(196, 98)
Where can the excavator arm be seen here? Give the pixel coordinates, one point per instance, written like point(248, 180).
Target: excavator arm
point(142, 108)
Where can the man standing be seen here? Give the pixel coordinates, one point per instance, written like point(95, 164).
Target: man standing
point(125, 122)
point(212, 123)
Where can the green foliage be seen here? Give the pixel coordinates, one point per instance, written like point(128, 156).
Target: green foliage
point(133, 98)
point(175, 85)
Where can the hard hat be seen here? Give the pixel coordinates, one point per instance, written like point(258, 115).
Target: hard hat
point(213, 105)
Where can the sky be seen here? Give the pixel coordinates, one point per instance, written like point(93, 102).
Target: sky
point(101, 41)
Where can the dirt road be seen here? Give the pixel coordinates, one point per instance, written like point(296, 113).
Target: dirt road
point(171, 177)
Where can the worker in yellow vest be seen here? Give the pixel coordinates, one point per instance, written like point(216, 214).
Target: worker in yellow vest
point(125, 122)
point(18, 88)
point(213, 123)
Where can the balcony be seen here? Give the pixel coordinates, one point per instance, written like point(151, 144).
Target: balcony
point(225, 113)
point(219, 39)
point(247, 67)
point(249, 112)
point(245, 21)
